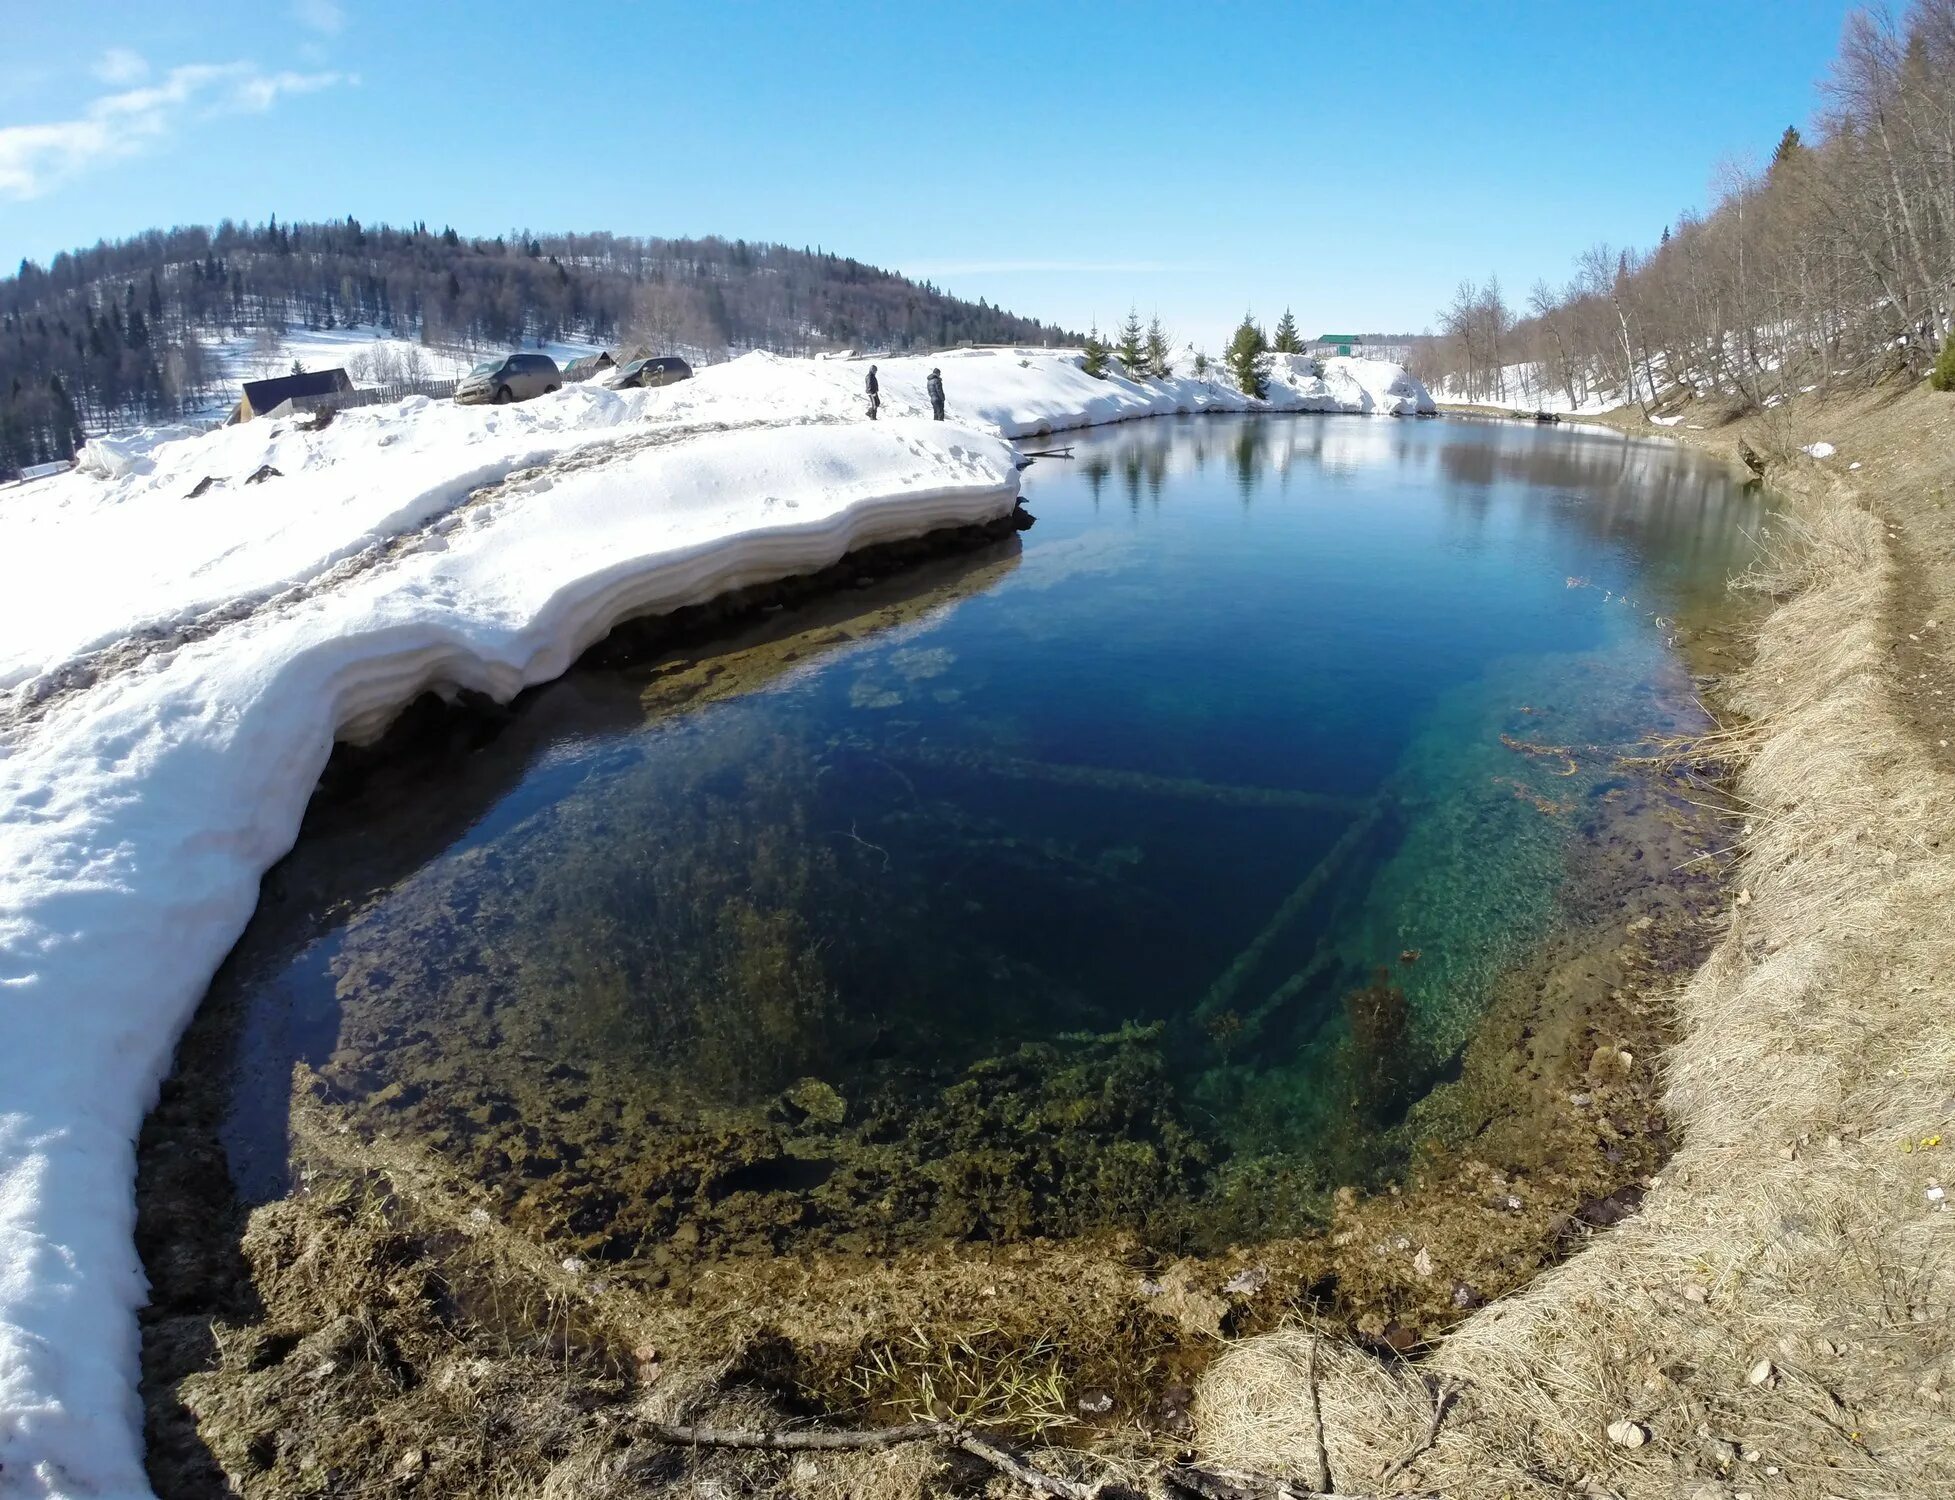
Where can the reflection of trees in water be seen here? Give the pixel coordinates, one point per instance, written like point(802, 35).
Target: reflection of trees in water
point(1247, 452)
point(1096, 468)
point(1666, 505)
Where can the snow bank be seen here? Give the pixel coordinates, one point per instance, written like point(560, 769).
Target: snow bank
point(125, 453)
point(144, 790)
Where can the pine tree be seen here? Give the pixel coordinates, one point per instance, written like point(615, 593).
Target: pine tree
point(1132, 346)
point(1157, 353)
point(1942, 377)
point(1288, 340)
point(1248, 358)
point(1789, 146)
point(67, 425)
point(1096, 353)
point(1201, 363)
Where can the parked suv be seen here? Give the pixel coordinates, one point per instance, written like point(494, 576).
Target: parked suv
point(516, 377)
point(660, 370)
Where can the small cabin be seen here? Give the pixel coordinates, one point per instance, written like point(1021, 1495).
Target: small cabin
point(1335, 345)
point(589, 366)
point(261, 397)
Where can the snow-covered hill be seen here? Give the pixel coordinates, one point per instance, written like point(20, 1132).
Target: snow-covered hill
point(180, 647)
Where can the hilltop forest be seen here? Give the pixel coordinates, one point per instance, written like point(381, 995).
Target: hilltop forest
point(120, 333)
point(1834, 260)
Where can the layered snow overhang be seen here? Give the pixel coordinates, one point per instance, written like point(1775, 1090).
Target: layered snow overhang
point(178, 657)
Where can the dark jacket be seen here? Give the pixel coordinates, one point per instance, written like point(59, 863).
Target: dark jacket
point(935, 385)
point(869, 384)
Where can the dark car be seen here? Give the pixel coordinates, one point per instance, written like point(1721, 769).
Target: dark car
point(663, 369)
point(515, 377)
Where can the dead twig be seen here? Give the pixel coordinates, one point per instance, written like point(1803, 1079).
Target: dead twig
point(1321, 1474)
point(1019, 1469)
point(1227, 1484)
point(805, 1440)
point(798, 1439)
point(1444, 1394)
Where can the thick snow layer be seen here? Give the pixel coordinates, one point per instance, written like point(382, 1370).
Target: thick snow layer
point(174, 670)
point(1529, 387)
point(367, 353)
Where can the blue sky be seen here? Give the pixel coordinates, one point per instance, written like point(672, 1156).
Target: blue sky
point(1351, 161)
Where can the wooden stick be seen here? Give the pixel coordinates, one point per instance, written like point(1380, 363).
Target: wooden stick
point(1443, 1396)
point(1024, 1473)
point(799, 1440)
point(1321, 1476)
point(806, 1440)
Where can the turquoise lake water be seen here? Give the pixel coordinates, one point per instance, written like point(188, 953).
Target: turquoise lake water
point(1258, 707)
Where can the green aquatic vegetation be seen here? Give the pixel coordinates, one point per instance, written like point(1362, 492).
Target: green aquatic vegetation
point(1381, 1040)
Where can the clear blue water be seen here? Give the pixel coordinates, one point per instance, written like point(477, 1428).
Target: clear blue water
point(1258, 707)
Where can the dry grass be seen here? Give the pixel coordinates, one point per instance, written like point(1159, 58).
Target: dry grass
point(1778, 1318)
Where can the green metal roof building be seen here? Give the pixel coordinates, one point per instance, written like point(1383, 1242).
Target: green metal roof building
point(1335, 343)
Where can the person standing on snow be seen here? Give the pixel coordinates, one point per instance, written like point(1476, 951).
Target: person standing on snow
point(935, 385)
point(874, 392)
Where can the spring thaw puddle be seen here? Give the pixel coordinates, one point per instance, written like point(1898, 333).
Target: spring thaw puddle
point(1141, 875)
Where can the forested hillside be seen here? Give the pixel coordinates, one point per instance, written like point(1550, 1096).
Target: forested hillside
point(121, 332)
point(1836, 259)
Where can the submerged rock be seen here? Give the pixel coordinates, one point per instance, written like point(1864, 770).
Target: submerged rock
point(811, 1099)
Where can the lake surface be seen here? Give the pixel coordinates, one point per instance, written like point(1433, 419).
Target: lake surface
point(1139, 873)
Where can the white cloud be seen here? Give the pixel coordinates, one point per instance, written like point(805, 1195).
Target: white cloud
point(119, 65)
point(322, 16)
point(35, 157)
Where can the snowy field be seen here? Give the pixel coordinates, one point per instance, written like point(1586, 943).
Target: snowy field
point(371, 355)
point(175, 668)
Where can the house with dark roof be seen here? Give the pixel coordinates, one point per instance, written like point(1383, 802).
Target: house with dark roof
point(262, 397)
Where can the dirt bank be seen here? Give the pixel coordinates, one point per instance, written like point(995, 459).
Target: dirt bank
point(1777, 1318)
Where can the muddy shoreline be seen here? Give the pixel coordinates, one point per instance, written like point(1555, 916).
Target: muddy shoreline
point(390, 1271)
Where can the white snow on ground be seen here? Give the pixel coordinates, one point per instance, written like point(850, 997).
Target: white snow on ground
point(1819, 450)
point(1527, 387)
point(257, 356)
point(145, 788)
point(372, 356)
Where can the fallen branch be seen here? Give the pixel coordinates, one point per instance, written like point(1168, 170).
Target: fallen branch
point(1186, 1479)
point(799, 1439)
point(1321, 1475)
point(1444, 1394)
point(1024, 1473)
point(1227, 1484)
point(805, 1440)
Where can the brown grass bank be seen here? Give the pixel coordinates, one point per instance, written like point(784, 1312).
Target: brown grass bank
point(1779, 1317)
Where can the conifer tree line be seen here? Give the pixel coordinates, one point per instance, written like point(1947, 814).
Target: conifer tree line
point(1143, 353)
point(1833, 261)
point(1148, 354)
point(118, 334)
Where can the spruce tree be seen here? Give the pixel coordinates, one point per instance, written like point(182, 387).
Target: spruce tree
point(1942, 377)
point(1096, 352)
point(1288, 340)
point(67, 424)
point(1132, 346)
point(1248, 358)
point(1157, 354)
